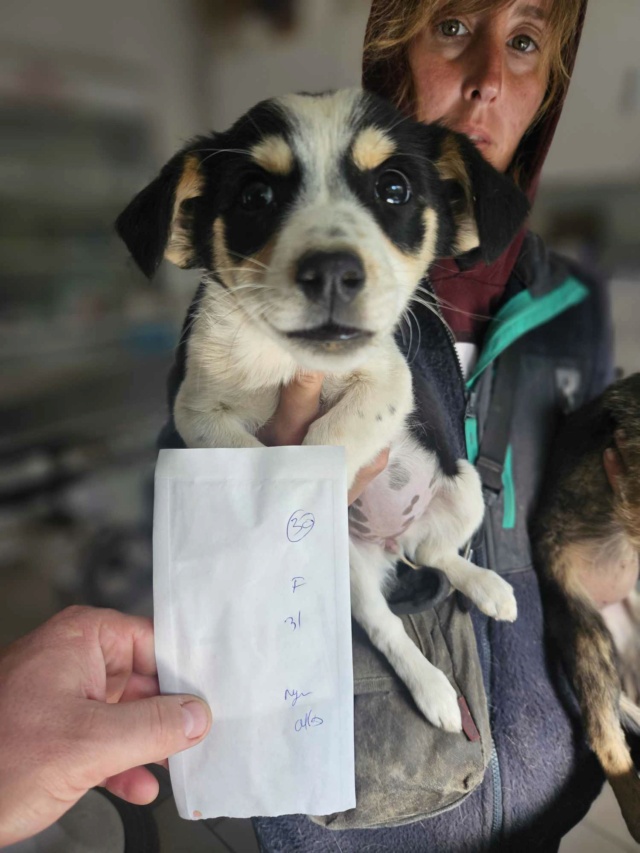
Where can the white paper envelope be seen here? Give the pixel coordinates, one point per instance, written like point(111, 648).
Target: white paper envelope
point(252, 612)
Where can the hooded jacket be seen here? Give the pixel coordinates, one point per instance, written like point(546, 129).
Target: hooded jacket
point(547, 350)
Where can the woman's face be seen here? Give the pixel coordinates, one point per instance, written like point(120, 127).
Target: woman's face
point(483, 75)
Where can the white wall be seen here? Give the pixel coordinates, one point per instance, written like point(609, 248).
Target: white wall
point(144, 41)
point(598, 139)
point(325, 52)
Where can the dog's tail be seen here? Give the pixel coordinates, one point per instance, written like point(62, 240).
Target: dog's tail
point(582, 639)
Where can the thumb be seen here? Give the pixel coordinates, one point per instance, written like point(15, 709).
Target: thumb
point(298, 407)
point(130, 734)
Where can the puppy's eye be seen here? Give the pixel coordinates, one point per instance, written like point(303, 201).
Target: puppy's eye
point(392, 187)
point(188, 206)
point(256, 196)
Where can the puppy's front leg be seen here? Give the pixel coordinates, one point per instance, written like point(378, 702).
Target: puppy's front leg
point(370, 412)
point(214, 427)
point(433, 693)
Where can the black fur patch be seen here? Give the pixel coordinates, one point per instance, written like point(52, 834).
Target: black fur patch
point(427, 424)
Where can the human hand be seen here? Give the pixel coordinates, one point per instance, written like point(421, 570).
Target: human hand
point(80, 707)
point(298, 408)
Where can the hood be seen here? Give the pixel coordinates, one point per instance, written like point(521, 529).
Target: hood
point(383, 77)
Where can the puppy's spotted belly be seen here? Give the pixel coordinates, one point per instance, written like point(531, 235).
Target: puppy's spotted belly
point(396, 498)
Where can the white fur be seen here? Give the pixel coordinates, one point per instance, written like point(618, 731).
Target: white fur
point(239, 358)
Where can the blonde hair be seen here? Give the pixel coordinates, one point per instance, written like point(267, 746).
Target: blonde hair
point(393, 24)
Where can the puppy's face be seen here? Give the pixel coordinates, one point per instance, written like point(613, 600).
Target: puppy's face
point(320, 216)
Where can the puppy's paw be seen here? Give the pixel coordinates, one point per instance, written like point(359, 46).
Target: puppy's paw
point(492, 595)
point(438, 701)
point(321, 434)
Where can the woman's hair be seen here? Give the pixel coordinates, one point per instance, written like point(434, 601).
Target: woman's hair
point(393, 24)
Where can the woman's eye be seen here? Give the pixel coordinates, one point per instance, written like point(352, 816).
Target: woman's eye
point(523, 44)
point(256, 196)
point(453, 27)
point(392, 187)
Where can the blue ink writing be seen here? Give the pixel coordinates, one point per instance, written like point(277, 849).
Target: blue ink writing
point(289, 694)
point(300, 524)
point(309, 721)
point(295, 583)
point(293, 622)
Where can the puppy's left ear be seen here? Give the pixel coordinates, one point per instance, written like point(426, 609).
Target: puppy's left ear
point(158, 222)
point(488, 208)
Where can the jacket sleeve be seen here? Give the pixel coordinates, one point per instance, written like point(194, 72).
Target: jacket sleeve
point(601, 363)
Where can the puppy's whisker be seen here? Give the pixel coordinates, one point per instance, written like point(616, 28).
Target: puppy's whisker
point(215, 151)
point(186, 332)
point(253, 285)
point(412, 315)
point(412, 156)
point(251, 260)
point(431, 307)
point(259, 314)
point(450, 305)
point(408, 315)
point(401, 120)
point(406, 319)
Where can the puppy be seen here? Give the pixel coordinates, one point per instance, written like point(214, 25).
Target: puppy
point(315, 219)
point(586, 531)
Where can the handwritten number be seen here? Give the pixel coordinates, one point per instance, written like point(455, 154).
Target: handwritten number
point(300, 524)
point(293, 622)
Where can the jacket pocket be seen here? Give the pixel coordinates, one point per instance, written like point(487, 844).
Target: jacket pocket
point(406, 768)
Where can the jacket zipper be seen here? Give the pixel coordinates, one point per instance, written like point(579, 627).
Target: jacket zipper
point(452, 340)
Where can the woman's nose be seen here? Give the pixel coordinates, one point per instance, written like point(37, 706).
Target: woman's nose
point(484, 72)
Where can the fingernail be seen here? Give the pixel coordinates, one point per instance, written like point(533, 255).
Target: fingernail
point(195, 719)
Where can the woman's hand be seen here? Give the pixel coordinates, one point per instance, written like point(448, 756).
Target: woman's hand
point(298, 408)
point(80, 707)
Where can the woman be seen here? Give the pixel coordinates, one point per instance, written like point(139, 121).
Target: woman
point(496, 70)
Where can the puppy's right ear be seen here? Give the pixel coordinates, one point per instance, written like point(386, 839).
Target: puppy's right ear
point(158, 223)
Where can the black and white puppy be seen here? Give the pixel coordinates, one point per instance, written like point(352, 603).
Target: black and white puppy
point(315, 218)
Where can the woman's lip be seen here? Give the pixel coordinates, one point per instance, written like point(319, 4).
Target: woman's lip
point(478, 137)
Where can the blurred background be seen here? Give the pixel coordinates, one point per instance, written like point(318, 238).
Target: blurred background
point(94, 97)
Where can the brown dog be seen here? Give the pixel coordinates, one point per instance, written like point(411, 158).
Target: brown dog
point(584, 529)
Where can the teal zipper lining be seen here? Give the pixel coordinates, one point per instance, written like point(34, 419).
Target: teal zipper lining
point(508, 493)
point(520, 315)
point(471, 437)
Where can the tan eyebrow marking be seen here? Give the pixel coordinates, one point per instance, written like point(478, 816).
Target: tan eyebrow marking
point(371, 148)
point(274, 155)
point(179, 248)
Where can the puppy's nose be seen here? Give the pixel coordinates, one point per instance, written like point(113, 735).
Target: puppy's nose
point(329, 276)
